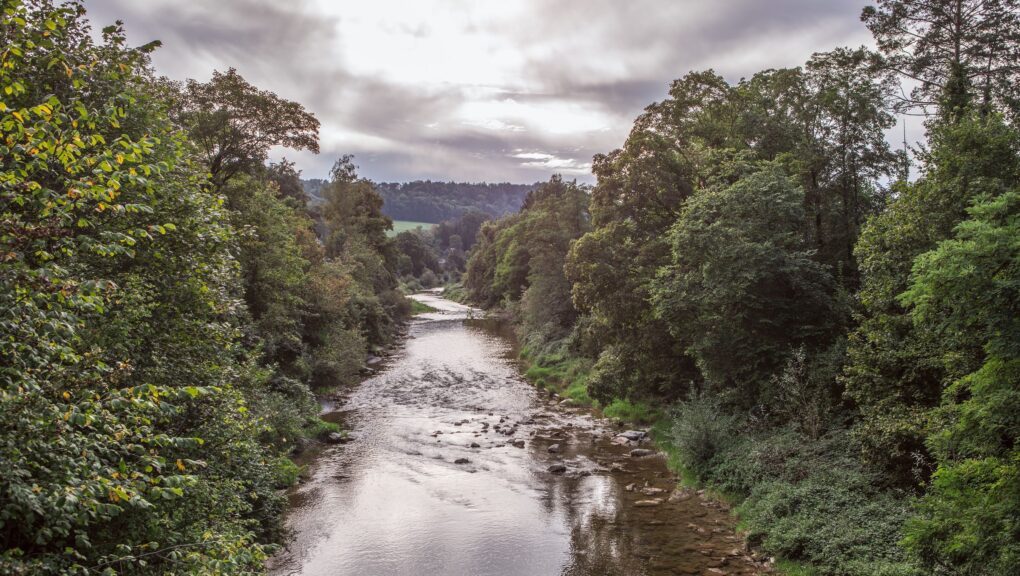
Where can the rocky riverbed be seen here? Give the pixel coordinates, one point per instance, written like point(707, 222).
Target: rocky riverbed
point(459, 466)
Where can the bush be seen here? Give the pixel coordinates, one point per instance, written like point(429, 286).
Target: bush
point(811, 501)
point(701, 430)
point(834, 520)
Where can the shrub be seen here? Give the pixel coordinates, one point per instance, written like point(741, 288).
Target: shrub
point(701, 430)
point(834, 520)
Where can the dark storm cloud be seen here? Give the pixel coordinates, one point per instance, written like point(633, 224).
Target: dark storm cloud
point(569, 77)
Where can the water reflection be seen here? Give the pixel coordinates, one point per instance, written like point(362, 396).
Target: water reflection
point(434, 484)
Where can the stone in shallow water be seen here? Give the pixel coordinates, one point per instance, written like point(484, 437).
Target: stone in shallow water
point(518, 443)
point(461, 461)
point(641, 452)
point(554, 448)
point(633, 435)
point(557, 469)
point(648, 503)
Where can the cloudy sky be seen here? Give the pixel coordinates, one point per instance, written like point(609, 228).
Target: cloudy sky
point(510, 90)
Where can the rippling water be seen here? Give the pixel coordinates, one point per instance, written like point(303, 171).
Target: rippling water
point(396, 502)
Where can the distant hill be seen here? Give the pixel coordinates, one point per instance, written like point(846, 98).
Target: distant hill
point(428, 201)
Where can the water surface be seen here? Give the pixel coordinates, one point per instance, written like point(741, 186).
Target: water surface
point(395, 501)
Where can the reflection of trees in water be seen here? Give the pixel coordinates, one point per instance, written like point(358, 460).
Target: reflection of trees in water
point(603, 539)
point(611, 536)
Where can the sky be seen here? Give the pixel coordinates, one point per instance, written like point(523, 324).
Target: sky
point(498, 91)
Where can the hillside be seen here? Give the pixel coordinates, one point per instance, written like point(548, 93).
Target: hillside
point(434, 202)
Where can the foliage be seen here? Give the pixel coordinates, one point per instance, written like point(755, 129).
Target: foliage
point(234, 124)
point(126, 442)
point(896, 368)
point(158, 338)
point(960, 54)
point(436, 202)
point(701, 431)
point(743, 289)
point(966, 290)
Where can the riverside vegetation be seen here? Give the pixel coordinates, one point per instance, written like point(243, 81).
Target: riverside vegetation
point(166, 305)
point(827, 342)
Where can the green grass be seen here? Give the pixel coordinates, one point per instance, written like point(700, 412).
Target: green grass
point(559, 373)
point(406, 226)
point(320, 428)
point(631, 411)
point(455, 292)
point(420, 308)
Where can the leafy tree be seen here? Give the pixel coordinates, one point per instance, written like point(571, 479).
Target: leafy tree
point(896, 371)
point(234, 124)
point(417, 253)
point(123, 440)
point(743, 290)
point(967, 291)
point(288, 181)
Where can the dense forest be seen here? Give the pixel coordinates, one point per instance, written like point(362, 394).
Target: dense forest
point(825, 330)
point(427, 201)
point(167, 305)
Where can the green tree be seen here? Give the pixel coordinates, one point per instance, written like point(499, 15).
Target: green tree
point(123, 437)
point(743, 289)
point(967, 291)
point(896, 371)
point(234, 124)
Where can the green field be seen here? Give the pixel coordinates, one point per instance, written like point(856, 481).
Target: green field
point(405, 225)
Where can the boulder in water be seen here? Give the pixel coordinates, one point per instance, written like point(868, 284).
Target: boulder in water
point(633, 435)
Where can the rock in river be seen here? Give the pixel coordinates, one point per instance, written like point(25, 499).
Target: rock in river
point(648, 503)
point(557, 469)
point(518, 443)
point(641, 452)
point(461, 461)
point(335, 438)
point(554, 448)
point(632, 435)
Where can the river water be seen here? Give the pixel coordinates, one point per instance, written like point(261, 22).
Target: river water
point(433, 484)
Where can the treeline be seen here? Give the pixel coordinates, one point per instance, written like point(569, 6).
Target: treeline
point(437, 256)
point(427, 201)
point(840, 343)
point(166, 305)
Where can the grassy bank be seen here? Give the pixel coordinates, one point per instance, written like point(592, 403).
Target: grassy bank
point(420, 308)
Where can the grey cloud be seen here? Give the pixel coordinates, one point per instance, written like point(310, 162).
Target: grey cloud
point(610, 57)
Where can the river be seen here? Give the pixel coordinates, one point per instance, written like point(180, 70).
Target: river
point(433, 483)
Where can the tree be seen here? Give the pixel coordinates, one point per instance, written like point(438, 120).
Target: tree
point(967, 291)
point(288, 181)
point(961, 54)
point(743, 290)
point(121, 430)
point(895, 369)
point(234, 124)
